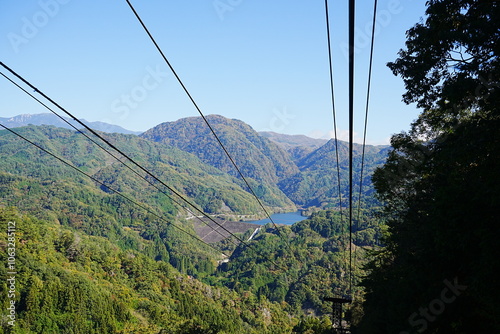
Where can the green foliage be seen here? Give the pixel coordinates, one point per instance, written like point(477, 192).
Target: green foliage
point(450, 64)
point(72, 283)
point(310, 325)
point(437, 273)
point(442, 217)
point(302, 272)
point(257, 158)
point(317, 183)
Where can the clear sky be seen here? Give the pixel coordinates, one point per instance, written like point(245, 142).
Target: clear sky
point(264, 62)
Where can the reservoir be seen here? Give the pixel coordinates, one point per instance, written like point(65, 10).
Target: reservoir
point(281, 218)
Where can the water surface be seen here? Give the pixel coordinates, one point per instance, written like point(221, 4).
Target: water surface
point(288, 218)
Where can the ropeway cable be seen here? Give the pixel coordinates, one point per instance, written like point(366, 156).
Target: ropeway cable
point(207, 123)
point(125, 155)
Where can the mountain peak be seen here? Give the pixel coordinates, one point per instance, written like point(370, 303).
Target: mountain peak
point(256, 156)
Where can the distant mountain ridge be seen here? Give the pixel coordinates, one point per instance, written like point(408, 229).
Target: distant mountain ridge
point(51, 119)
point(302, 168)
point(297, 145)
point(284, 171)
point(291, 141)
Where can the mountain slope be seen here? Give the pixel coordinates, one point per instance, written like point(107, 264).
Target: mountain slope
point(213, 190)
point(282, 170)
point(129, 275)
point(262, 162)
point(317, 182)
point(324, 157)
point(39, 184)
point(301, 167)
point(69, 282)
point(310, 265)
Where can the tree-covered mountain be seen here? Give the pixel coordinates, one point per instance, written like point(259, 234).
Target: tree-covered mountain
point(37, 183)
point(278, 162)
point(213, 190)
point(257, 157)
point(284, 274)
point(283, 170)
point(317, 182)
point(89, 246)
point(260, 161)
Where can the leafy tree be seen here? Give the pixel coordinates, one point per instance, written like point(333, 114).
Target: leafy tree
point(437, 271)
point(450, 66)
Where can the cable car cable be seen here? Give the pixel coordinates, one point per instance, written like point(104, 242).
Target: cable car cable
point(207, 123)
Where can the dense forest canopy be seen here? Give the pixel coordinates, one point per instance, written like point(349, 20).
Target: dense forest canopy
point(440, 185)
point(69, 282)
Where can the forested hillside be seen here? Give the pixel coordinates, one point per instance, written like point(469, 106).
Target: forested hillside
point(311, 263)
point(298, 167)
point(213, 190)
point(38, 184)
point(69, 282)
point(260, 161)
point(284, 171)
point(101, 249)
point(317, 183)
point(257, 157)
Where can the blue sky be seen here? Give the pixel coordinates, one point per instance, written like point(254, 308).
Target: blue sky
point(263, 62)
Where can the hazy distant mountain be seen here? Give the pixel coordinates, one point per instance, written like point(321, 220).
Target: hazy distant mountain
point(51, 119)
point(325, 157)
point(297, 145)
point(290, 141)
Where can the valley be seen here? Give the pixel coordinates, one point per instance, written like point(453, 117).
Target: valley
point(221, 249)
